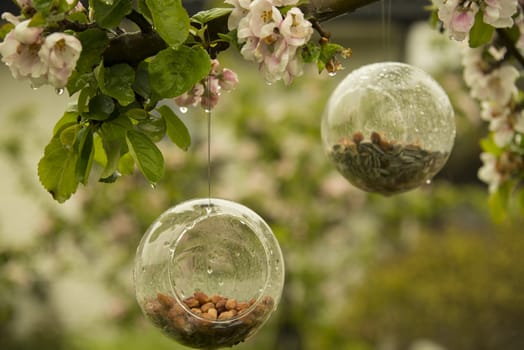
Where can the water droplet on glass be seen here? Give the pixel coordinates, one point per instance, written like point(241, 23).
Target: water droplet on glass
point(183, 110)
point(237, 254)
point(332, 74)
point(207, 110)
point(269, 83)
point(209, 270)
point(34, 87)
point(220, 283)
point(166, 243)
point(143, 269)
point(153, 186)
point(59, 92)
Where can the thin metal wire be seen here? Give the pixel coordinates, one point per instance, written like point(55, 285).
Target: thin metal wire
point(208, 113)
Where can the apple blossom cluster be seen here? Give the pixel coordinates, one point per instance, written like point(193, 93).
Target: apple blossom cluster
point(493, 82)
point(269, 38)
point(43, 59)
point(207, 91)
point(458, 16)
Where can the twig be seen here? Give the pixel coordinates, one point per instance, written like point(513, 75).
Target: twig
point(510, 45)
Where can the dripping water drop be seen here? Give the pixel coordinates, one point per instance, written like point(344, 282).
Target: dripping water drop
point(34, 87)
point(59, 91)
point(332, 74)
point(268, 83)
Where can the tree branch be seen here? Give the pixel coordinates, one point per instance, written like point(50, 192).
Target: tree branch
point(324, 10)
point(134, 47)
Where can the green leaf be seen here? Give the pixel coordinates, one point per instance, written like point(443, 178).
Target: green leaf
point(311, 52)
point(141, 84)
point(144, 10)
point(57, 170)
point(68, 118)
point(117, 81)
point(146, 155)
point(205, 16)
point(137, 114)
point(327, 51)
point(79, 81)
point(153, 127)
point(5, 29)
point(110, 15)
point(113, 136)
point(170, 20)
point(173, 72)
point(176, 129)
point(43, 6)
point(481, 33)
point(126, 164)
point(100, 107)
point(84, 148)
point(94, 42)
point(488, 145)
point(68, 135)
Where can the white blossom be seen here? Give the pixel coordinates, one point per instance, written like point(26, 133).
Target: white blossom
point(488, 172)
point(60, 52)
point(295, 29)
point(498, 13)
point(240, 10)
point(497, 86)
point(20, 49)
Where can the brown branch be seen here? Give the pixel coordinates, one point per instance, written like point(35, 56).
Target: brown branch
point(134, 47)
point(324, 10)
point(509, 44)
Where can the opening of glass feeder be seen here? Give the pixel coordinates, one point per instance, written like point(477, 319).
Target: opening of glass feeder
point(209, 273)
point(388, 127)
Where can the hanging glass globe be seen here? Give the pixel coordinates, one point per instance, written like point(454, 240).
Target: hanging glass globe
point(388, 127)
point(209, 273)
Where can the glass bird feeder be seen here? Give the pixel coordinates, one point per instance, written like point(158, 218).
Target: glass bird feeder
point(209, 273)
point(388, 127)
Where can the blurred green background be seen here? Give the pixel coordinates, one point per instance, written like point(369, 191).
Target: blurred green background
point(425, 270)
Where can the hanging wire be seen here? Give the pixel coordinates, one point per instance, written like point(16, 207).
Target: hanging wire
point(208, 113)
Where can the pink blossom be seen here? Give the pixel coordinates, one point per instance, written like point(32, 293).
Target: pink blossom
point(498, 13)
point(457, 19)
point(228, 79)
point(207, 91)
point(60, 52)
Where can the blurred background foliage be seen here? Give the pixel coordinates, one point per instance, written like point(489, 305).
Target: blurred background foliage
point(428, 269)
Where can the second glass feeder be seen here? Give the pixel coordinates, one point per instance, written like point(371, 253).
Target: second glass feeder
point(388, 127)
point(209, 273)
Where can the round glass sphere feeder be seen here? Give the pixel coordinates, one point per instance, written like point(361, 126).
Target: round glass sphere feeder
point(209, 273)
point(388, 127)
